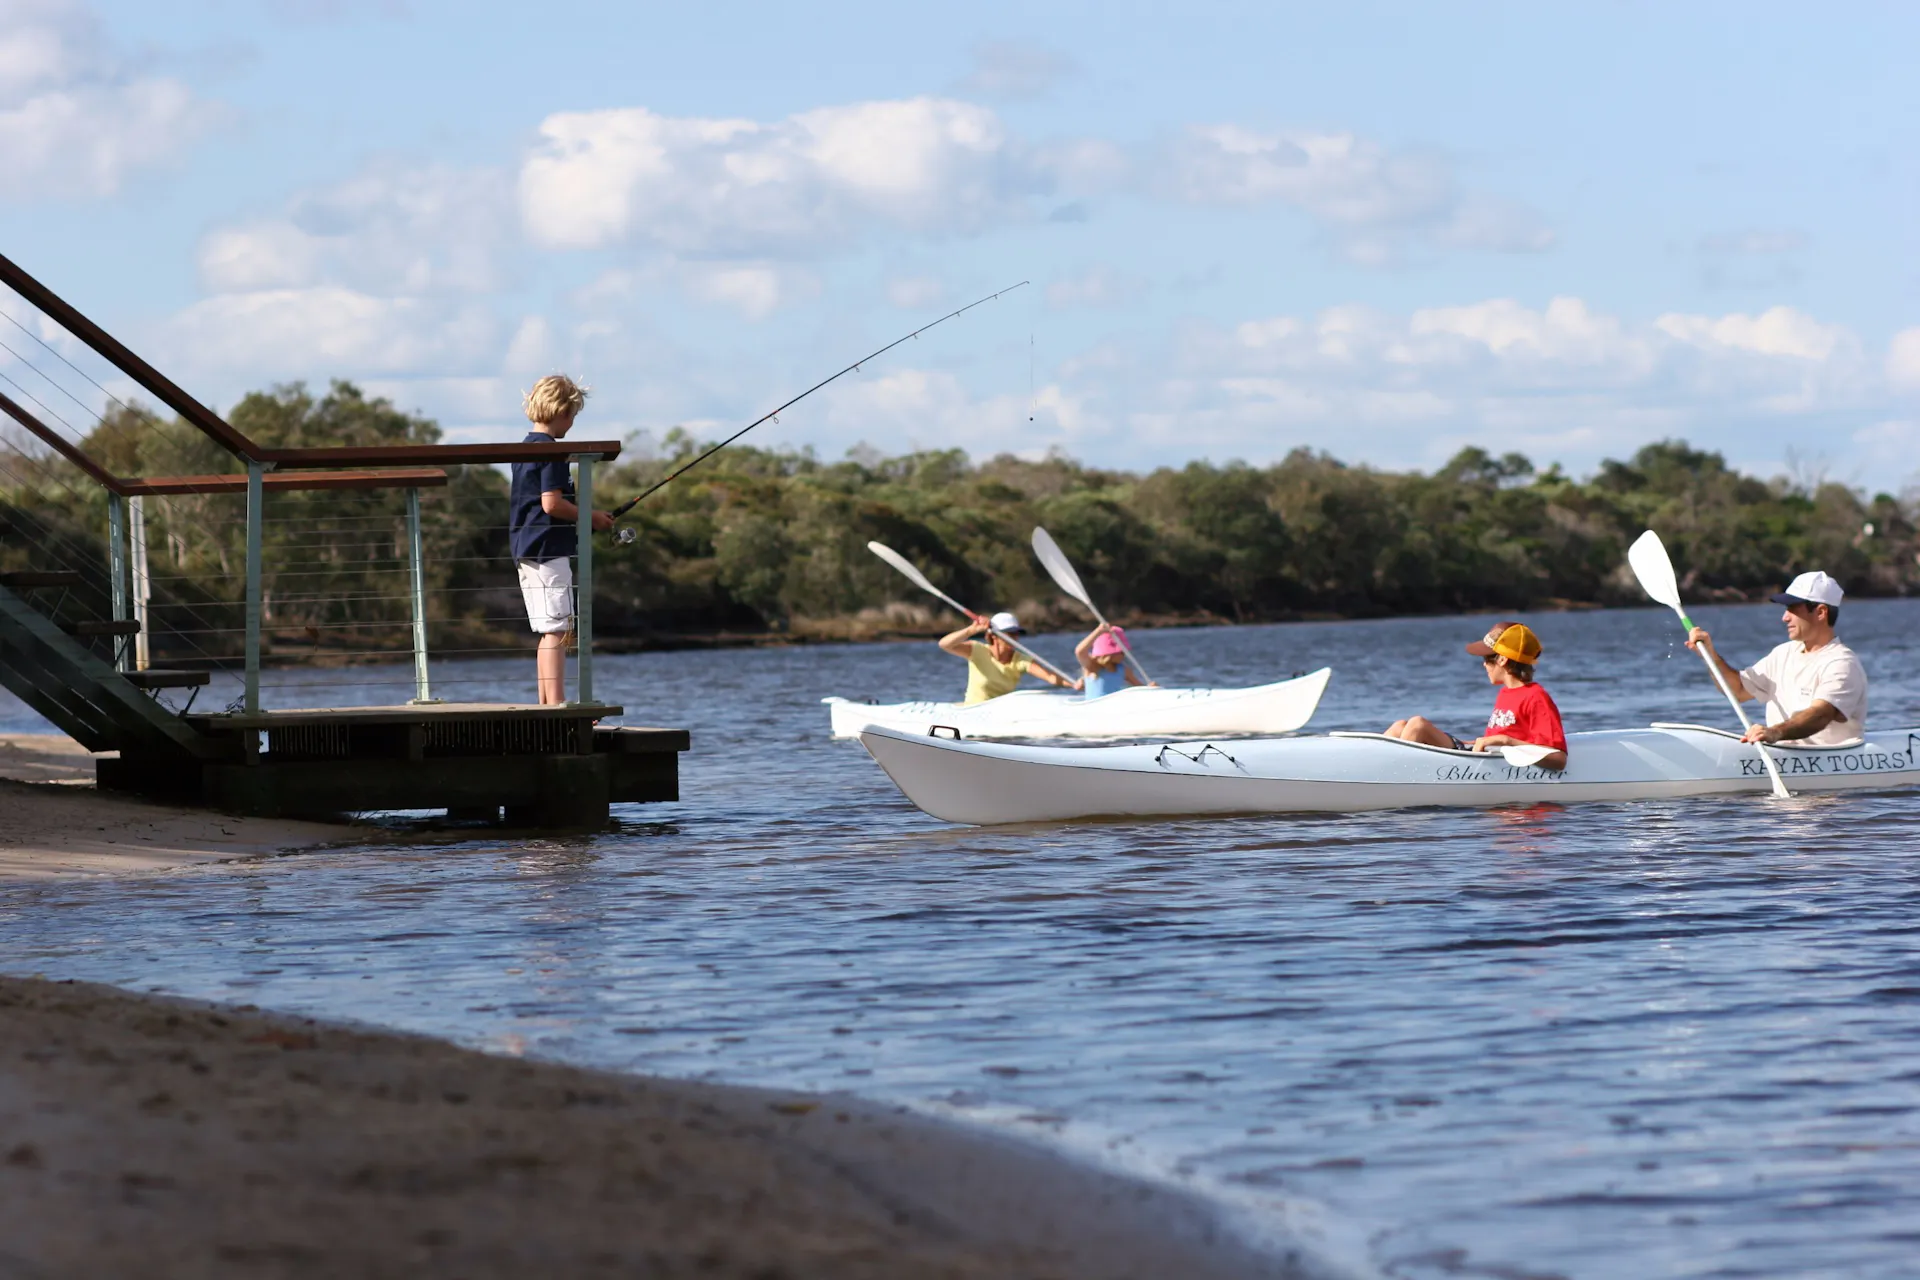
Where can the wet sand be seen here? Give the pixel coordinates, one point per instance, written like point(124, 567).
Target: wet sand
point(147, 1136)
point(53, 822)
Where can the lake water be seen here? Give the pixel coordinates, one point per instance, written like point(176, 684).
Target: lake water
point(1659, 1039)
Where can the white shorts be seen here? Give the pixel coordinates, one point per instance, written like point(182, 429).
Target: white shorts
point(548, 588)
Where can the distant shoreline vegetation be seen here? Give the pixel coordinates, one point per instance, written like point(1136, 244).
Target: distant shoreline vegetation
point(762, 544)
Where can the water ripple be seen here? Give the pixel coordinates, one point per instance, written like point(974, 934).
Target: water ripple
point(1669, 1039)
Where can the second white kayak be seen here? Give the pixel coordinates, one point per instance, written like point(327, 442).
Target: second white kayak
point(1352, 772)
point(1137, 712)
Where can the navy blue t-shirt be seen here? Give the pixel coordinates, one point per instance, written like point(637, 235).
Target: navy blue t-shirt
point(533, 534)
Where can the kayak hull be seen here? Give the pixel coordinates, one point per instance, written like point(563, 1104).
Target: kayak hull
point(1136, 712)
point(988, 783)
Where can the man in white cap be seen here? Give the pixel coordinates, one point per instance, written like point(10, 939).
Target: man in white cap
point(1814, 686)
point(995, 667)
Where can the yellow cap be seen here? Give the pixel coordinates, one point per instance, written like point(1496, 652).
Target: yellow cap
point(1510, 640)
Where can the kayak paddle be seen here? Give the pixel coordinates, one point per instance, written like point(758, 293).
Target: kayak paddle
point(919, 580)
point(1650, 563)
point(1061, 568)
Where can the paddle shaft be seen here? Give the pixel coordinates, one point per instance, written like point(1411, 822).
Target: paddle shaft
point(1068, 580)
point(938, 594)
point(1126, 652)
point(1720, 679)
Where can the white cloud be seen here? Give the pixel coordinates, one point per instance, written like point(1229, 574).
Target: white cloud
point(794, 187)
point(1903, 360)
point(754, 289)
point(907, 409)
point(76, 120)
point(1372, 201)
point(328, 331)
point(392, 229)
point(1560, 381)
point(1778, 331)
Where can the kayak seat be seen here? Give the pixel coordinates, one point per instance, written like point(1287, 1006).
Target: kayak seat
point(1402, 742)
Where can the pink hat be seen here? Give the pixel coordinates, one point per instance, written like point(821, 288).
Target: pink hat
point(1114, 641)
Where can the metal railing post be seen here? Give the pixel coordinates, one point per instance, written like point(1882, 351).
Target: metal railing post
point(117, 571)
point(142, 580)
point(416, 562)
point(583, 587)
point(256, 513)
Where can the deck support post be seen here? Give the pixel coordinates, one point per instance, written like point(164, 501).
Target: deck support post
point(142, 580)
point(583, 585)
point(256, 520)
point(416, 563)
point(117, 573)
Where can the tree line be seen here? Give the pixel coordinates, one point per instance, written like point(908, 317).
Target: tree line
point(773, 541)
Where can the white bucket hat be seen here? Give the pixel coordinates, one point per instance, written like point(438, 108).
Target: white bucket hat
point(1006, 623)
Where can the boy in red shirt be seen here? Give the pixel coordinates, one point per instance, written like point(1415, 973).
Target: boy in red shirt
point(1523, 712)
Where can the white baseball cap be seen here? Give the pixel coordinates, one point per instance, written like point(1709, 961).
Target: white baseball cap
point(1005, 623)
point(1811, 588)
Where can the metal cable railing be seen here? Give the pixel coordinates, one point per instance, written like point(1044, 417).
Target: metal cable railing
point(295, 562)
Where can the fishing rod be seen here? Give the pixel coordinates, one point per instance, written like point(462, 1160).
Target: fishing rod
point(631, 503)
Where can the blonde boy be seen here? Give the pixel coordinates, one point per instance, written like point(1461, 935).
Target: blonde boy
point(542, 524)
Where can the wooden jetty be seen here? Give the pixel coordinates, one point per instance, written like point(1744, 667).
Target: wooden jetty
point(546, 766)
point(549, 766)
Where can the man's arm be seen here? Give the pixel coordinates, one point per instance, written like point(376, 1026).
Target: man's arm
point(555, 504)
point(1802, 724)
point(960, 643)
point(1699, 639)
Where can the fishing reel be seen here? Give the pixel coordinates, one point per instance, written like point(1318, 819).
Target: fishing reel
point(624, 536)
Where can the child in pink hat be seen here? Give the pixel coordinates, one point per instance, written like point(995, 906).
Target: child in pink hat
point(1103, 657)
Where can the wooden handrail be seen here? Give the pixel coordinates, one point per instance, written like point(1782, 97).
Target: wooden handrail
point(273, 481)
point(61, 445)
point(124, 360)
point(400, 455)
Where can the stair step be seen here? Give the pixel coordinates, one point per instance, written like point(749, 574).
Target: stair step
point(112, 627)
point(41, 578)
point(167, 679)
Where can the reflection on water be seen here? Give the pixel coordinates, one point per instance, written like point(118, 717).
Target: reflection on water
point(1597, 1041)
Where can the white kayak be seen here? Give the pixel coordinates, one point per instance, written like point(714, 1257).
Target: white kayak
point(1348, 772)
point(1136, 712)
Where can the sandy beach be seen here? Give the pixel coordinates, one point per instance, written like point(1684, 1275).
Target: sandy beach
point(157, 1137)
point(53, 822)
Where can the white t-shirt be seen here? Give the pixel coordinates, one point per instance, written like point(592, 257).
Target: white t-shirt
point(1791, 679)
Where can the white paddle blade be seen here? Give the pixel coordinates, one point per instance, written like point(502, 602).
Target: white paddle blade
point(905, 567)
point(1525, 757)
point(1056, 563)
point(914, 576)
point(1648, 559)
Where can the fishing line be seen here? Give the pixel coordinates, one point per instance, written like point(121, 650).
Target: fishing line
point(631, 503)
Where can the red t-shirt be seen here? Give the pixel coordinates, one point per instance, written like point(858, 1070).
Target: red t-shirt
point(1527, 713)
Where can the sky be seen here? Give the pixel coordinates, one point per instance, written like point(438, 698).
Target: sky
point(1382, 231)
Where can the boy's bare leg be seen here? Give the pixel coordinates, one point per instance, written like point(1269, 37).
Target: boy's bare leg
point(551, 667)
point(1420, 729)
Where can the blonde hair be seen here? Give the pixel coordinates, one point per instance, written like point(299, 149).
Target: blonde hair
point(552, 396)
